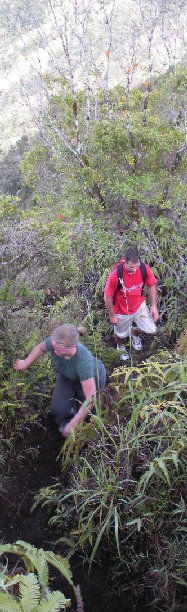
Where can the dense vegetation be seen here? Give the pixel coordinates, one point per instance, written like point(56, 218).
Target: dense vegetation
point(69, 210)
point(22, 589)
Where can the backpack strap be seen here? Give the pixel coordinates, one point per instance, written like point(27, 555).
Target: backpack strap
point(120, 277)
point(144, 275)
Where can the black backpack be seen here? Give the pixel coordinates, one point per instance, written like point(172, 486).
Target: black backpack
point(120, 277)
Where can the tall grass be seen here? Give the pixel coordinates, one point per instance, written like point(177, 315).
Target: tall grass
point(126, 496)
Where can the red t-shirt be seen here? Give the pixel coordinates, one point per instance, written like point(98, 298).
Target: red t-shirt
point(128, 301)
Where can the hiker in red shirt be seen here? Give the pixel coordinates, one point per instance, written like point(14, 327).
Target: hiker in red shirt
point(125, 301)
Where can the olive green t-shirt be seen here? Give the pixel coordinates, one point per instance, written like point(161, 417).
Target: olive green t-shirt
point(82, 366)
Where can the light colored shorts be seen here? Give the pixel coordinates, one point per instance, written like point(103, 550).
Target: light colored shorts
point(142, 319)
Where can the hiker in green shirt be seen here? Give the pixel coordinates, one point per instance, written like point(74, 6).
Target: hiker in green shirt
point(80, 375)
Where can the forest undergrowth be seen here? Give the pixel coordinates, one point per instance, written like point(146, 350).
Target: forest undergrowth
point(121, 493)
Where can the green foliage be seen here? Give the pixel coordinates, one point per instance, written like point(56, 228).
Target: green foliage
point(24, 398)
point(130, 475)
point(33, 593)
point(124, 182)
point(9, 208)
point(181, 346)
point(113, 165)
point(78, 209)
point(30, 601)
point(10, 174)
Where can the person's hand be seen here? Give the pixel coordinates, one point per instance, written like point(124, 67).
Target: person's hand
point(154, 313)
point(114, 319)
point(66, 431)
point(21, 365)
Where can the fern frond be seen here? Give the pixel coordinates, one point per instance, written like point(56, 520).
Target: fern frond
point(21, 549)
point(34, 559)
point(10, 548)
point(43, 570)
point(61, 564)
point(8, 603)
point(29, 592)
point(26, 545)
point(56, 601)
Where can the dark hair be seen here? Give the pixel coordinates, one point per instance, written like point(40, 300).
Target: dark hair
point(132, 254)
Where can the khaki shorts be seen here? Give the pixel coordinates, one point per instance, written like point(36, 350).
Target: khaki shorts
point(142, 319)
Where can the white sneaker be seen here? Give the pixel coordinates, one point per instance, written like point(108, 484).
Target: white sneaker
point(136, 343)
point(124, 355)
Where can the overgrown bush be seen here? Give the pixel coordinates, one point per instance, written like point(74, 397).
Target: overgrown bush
point(127, 473)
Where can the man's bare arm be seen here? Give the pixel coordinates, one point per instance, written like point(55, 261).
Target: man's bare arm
point(89, 390)
point(153, 297)
point(109, 305)
point(38, 351)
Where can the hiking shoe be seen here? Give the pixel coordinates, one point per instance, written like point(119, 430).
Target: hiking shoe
point(136, 343)
point(124, 355)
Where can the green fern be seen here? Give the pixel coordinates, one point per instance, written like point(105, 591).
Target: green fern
point(30, 598)
point(8, 603)
point(38, 559)
point(61, 564)
point(34, 594)
point(29, 590)
point(34, 559)
point(56, 601)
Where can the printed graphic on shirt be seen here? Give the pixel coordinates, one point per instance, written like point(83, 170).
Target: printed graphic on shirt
point(129, 289)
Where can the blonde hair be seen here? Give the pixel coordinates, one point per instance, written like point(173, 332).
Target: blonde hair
point(67, 334)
